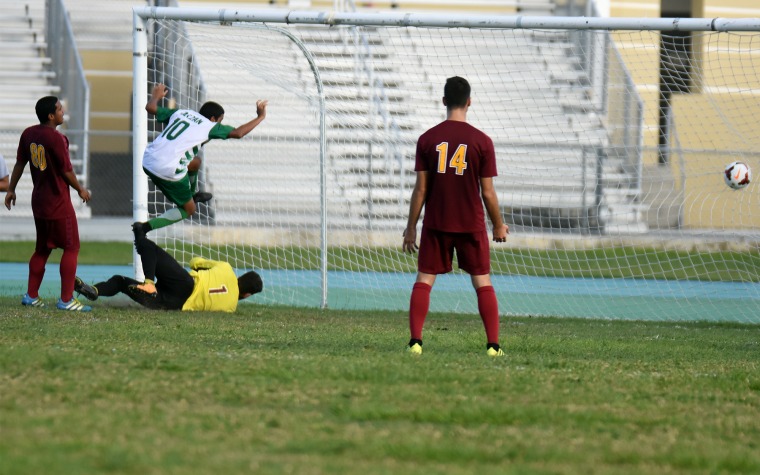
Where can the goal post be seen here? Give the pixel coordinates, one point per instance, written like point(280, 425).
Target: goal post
point(611, 137)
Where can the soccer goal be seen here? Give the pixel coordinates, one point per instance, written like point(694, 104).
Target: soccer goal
point(611, 136)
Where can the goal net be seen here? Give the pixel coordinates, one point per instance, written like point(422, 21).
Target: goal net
point(611, 147)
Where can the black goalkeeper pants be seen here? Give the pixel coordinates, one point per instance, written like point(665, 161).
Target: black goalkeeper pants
point(173, 284)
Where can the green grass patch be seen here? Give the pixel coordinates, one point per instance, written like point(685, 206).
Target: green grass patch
point(90, 253)
point(625, 262)
point(284, 390)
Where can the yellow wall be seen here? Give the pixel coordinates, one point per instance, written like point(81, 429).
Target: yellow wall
point(109, 74)
point(700, 117)
point(731, 8)
point(706, 195)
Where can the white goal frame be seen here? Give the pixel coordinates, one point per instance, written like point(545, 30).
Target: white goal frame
point(141, 15)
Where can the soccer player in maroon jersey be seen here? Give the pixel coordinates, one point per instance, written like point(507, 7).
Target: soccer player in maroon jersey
point(47, 150)
point(455, 165)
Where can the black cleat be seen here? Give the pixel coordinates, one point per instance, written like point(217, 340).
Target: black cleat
point(85, 289)
point(140, 230)
point(202, 197)
point(146, 299)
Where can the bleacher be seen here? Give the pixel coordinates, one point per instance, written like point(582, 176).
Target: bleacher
point(24, 77)
point(547, 97)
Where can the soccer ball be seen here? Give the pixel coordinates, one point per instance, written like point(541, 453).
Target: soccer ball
point(737, 175)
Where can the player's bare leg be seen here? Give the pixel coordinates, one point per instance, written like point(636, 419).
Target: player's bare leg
point(190, 208)
point(171, 216)
point(192, 172)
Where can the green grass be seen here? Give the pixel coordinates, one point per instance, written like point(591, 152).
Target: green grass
point(283, 390)
point(94, 253)
point(625, 262)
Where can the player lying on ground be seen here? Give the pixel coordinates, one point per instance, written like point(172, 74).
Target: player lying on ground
point(171, 160)
point(210, 285)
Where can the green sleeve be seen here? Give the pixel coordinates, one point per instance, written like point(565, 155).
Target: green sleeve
point(220, 131)
point(163, 114)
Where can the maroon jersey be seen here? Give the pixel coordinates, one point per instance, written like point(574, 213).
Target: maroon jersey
point(456, 156)
point(47, 152)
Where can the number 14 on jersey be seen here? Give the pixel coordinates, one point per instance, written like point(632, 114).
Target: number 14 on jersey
point(458, 159)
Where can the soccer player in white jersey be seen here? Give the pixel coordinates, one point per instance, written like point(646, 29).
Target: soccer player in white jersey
point(171, 160)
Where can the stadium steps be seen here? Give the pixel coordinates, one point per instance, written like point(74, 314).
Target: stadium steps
point(9, 76)
point(22, 48)
point(26, 63)
point(25, 76)
point(385, 196)
point(548, 96)
point(104, 25)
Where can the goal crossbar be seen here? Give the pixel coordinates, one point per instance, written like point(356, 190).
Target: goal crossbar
point(334, 18)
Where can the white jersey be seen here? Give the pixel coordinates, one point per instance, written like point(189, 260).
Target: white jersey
point(186, 131)
point(3, 167)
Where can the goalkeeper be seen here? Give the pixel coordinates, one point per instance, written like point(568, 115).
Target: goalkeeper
point(210, 285)
point(171, 160)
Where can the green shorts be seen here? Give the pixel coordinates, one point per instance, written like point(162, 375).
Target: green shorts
point(178, 192)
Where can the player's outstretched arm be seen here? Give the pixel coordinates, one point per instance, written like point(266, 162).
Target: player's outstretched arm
point(488, 193)
point(159, 92)
point(245, 129)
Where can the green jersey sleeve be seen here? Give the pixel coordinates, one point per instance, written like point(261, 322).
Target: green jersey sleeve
point(220, 131)
point(163, 114)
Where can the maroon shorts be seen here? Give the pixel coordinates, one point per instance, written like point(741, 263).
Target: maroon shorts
point(60, 233)
point(437, 252)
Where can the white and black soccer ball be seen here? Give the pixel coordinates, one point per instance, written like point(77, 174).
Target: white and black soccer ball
point(737, 175)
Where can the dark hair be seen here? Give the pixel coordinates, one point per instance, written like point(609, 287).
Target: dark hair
point(211, 109)
point(456, 92)
point(45, 107)
point(249, 283)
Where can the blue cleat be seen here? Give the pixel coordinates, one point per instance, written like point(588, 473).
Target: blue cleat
point(73, 305)
point(27, 301)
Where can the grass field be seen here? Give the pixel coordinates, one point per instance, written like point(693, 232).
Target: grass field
point(624, 262)
point(281, 390)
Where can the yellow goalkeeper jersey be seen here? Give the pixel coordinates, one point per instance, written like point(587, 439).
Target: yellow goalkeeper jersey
point(216, 286)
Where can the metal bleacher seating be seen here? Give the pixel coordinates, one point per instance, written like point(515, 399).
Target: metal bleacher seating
point(547, 98)
point(556, 95)
point(25, 76)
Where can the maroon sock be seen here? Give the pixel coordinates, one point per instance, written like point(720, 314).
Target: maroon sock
point(36, 273)
point(488, 307)
point(419, 304)
point(68, 270)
